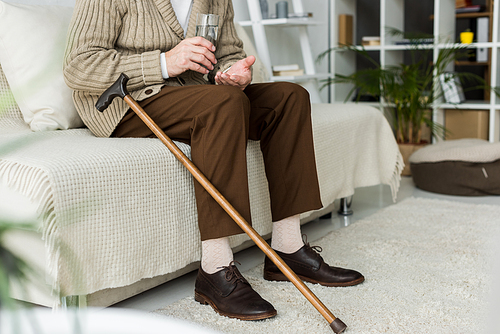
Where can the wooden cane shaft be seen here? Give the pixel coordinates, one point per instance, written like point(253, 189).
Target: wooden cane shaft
point(259, 241)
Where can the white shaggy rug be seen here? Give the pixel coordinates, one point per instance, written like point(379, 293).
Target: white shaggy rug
point(427, 265)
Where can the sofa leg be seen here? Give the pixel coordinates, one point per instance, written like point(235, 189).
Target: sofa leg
point(345, 206)
point(326, 216)
point(74, 301)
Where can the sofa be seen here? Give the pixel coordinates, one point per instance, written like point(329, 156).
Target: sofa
point(117, 216)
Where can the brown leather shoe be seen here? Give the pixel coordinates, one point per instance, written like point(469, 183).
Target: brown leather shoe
point(230, 295)
point(310, 267)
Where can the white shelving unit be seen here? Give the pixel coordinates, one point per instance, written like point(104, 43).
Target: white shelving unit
point(392, 15)
point(310, 79)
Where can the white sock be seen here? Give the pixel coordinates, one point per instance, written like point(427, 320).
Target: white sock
point(215, 254)
point(287, 237)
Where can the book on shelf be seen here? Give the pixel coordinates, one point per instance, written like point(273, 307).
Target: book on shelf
point(291, 73)
point(287, 67)
point(287, 70)
point(294, 16)
point(370, 40)
point(299, 15)
point(414, 41)
point(470, 9)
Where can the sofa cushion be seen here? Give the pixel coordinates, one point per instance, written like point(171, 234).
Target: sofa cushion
point(466, 167)
point(32, 42)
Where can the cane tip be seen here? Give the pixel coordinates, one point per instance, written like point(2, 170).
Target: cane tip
point(338, 326)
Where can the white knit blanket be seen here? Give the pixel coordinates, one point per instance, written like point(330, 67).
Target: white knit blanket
point(115, 211)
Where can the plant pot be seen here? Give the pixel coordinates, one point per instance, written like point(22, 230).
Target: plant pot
point(466, 37)
point(406, 151)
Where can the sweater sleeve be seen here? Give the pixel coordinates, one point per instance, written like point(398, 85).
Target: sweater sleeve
point(92, 61)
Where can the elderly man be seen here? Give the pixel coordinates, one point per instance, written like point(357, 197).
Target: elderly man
point(200, 94)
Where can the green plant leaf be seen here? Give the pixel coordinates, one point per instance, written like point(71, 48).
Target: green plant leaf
point(408, 90)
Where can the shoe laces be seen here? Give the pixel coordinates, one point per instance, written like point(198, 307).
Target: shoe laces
point(316, 249)
point(232, 273)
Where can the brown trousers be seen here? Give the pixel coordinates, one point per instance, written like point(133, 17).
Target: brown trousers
point(217, 122)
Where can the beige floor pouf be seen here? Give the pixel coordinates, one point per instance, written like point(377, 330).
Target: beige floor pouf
point(468, 167)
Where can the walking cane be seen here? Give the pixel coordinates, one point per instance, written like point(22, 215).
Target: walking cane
point(119, 89)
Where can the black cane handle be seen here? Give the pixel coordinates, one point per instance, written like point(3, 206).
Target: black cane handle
point(118, 89)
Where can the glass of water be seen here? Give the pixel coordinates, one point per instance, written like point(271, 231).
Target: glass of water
point(207, 26)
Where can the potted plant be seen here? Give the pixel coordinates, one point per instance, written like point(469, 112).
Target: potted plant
point(13, 269)
point(407, 92)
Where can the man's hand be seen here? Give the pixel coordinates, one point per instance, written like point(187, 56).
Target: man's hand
point(191, 54)
point(239, 75)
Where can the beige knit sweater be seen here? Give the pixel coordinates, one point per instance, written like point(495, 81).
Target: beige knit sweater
point(109, 37)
